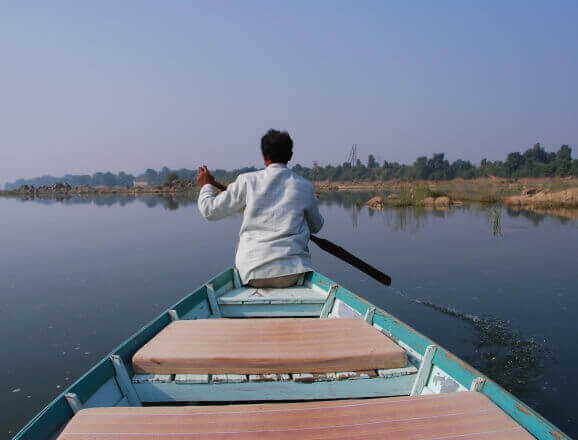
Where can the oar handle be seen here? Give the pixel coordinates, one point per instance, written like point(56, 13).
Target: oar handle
point(218, 185)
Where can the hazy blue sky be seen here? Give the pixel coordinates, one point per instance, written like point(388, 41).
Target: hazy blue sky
point(126, 85)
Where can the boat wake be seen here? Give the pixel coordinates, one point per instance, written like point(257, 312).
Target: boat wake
point(515, 361)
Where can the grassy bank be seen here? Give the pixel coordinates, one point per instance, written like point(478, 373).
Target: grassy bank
point(487, 190)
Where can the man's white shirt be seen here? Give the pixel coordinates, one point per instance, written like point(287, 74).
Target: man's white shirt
point(280, 212)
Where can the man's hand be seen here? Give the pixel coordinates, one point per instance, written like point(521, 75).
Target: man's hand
point(204, 176)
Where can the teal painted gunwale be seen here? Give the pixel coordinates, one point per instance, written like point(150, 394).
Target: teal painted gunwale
point(57, 413)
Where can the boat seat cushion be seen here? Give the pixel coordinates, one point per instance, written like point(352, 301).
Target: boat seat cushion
point(436, 416)
point(257, 346)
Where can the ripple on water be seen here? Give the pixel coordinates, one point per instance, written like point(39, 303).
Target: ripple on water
point(511, 359)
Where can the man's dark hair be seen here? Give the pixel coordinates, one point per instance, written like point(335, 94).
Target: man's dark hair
point(277, 146)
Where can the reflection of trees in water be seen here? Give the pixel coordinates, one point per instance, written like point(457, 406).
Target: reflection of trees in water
point(346, 199)
point(105, 201)
point(165, 201)
point(151, 202)
point(170, 202)
point(395, 218)
point(412, 218)
point(399, 219)
point(350, 201)
point(355, 215)
point(408, 218)
point(536, 216)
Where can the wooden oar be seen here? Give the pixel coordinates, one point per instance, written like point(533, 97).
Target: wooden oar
point(342, 254)
point(339, 252)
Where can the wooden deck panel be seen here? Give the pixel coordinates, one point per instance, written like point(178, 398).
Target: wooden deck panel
point(458, 415)
point(256, 346)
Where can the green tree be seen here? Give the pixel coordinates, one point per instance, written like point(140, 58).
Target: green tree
point(371, 162)
point(421, 167)
point(171, 177)
point(151, 176)
point(564, 154)
point(536, 154)
point(563, 161)
point(514, 161)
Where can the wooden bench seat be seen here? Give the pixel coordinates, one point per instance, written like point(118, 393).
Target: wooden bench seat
point(258, 346)
point(463, 415)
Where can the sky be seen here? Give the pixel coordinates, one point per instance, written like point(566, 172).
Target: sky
point(128, 85)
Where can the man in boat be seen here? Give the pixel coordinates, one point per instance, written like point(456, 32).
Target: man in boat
point(280, 212)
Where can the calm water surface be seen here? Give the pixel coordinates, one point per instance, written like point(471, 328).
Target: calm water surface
point(78, 277)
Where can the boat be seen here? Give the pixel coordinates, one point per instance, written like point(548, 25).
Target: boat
point(309, 361)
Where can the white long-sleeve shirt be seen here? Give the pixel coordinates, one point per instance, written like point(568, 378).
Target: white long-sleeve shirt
point(280, 212)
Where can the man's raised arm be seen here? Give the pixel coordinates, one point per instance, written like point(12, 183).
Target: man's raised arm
point(226, 203)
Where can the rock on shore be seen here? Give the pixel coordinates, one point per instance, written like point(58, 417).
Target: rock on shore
point(375, 203)
point(544, 198)
point(440, 202)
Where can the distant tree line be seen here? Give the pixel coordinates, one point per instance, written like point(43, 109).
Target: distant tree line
point(534, 162)
point(165, 174)
point(151, 176)
point(96, 179)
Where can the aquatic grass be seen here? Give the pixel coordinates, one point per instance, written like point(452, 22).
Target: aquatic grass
point(403, 197)
point(496, 222)
point(420, 192)
point(412, 194)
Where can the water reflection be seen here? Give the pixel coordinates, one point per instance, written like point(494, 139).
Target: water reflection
point(536, 215)
point(170, 202)
point(345, 199)
point(401, 219)
point(411, 218)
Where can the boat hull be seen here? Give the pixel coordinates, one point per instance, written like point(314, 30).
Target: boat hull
point(440, 371)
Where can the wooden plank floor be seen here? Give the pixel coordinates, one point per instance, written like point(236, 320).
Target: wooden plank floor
point(263, 346)
point(464, 415)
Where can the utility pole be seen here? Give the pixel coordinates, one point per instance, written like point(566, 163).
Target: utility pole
point(352, 158)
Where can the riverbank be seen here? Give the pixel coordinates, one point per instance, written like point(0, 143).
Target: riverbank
point(536, 198)
point(537, 192)
point(487, 190)
point(63, 189)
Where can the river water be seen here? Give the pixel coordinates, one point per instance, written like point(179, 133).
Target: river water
point(498, 288)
